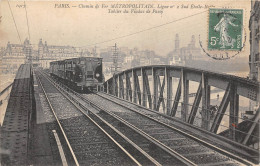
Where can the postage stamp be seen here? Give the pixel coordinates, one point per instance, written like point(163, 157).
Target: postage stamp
point(225, 29)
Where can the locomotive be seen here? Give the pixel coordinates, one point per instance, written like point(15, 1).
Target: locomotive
point(82, 74)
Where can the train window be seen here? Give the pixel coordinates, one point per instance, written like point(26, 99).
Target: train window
point(82, 62)
point(89, 76)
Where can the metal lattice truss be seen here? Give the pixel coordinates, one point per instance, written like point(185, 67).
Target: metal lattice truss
point(159, 80)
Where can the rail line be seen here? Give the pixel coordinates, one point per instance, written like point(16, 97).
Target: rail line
point(113, 134)
point(58, 121)
point(146, 114)
point(203, 153)
point(161, 154)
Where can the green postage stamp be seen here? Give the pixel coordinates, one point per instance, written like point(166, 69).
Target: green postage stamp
point(225, 29)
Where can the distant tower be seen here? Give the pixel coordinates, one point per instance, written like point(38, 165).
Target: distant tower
point(193, 41)
point(27, 48)
point(9, 48)
point(94, 51)
point(177, 42)
point(40, 48)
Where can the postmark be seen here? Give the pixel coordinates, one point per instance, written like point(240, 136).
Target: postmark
point(225, 29)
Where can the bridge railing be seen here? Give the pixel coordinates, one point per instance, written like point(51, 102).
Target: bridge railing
point(200, 113)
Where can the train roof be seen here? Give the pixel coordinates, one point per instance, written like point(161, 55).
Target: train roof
point(82, 58)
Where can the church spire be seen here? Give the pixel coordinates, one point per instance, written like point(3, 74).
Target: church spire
point(177, 42)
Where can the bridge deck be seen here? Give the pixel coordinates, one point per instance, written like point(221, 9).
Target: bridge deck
point(22, 123)
point(16, 125)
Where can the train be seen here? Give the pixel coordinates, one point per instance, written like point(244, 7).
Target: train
point(83, 74)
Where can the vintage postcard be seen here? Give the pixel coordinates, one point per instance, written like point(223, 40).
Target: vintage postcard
point(129, 82)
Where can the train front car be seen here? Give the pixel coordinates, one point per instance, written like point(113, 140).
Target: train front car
point(84, 74)
point(93, 74)
point(81, 74)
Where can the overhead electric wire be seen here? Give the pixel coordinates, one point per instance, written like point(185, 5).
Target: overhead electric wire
point(134, 33)
point(27, 21)
point(14, 22)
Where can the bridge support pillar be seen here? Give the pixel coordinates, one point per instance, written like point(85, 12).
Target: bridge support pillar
point(253, 126)
point(128, 88)
point(233, 113)
point(107, 87)
point(155, 89)
point(134, 92)
point(114, 86)
point(222, 108)
point(195, 105)
point(121, 87)
point(146, 90)
point(161, 99)
point(205, 113)
point(176, 99)
point(185, 95)
point(137, 91)
point(169, 92)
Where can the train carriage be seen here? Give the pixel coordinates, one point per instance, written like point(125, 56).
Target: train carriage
point(82, 74)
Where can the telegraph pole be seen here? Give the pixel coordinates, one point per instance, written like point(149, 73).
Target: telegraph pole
point(115, 60)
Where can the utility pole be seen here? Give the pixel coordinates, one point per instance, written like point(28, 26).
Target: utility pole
point(115, 60)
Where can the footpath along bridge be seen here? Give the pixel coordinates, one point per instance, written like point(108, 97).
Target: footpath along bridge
point(151, 115)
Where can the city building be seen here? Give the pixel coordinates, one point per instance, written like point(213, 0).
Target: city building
point(48, 53)
point(254, 26)
point(254, 62)
point(180, 56)
point(13, 56)
point(39, 55)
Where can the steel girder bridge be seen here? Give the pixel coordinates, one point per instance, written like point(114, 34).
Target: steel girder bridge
point(152, 87)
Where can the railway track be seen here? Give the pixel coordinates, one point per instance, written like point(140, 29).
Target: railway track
point(95, 146)
point(172, 144)
point(194, 150)
point(151, 149)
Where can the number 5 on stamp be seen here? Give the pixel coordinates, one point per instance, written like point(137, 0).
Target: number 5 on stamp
point(225, 29)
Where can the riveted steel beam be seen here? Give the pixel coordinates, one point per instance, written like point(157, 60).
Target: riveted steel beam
point(160, 87)
point(106, 89)
point(205, 113)
point(114, 85)
point(176, 100)
point(128, 88)
point(146, 90)
point(233, 112)
point(121, 87)
point(155, 89)
point(245, 87)
point(161, 100)
point(222, 108)
point(195, 105)
point(185, 95)
point(169, 91)
point(137, 91)
point(144, 97)
point(254, 123)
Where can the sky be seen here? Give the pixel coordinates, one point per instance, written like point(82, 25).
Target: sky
point(89, 27)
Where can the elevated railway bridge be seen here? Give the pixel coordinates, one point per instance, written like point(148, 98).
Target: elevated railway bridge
point(152, 115)
point(152, 87)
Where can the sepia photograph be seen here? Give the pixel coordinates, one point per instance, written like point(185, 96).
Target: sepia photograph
point(122, 83)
